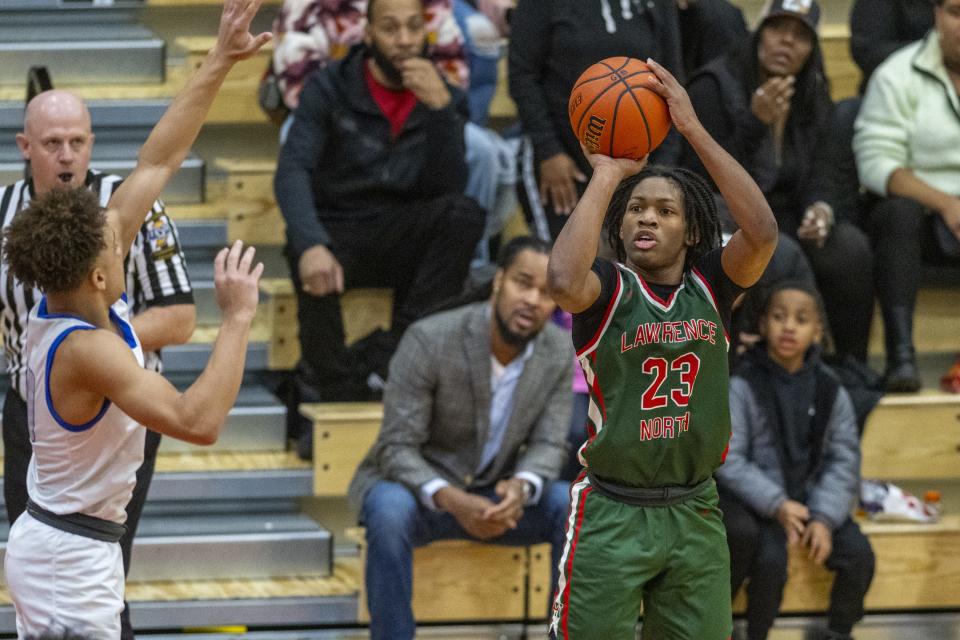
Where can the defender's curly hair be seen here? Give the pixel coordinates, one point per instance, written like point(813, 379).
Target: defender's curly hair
point(699, 210)
point(55, 241)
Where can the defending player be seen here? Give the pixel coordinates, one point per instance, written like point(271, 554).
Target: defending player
point(644, 525)
point(87, 390)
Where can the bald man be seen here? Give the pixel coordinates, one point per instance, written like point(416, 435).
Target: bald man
point(57, 141)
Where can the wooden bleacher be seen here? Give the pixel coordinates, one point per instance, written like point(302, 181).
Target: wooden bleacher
point(918, 566)
point(491, 583)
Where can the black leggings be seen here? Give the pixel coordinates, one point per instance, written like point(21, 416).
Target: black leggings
point(758, 551)
point(903, 239)
point(844, 271)
point(16, 459)
point(422, 251)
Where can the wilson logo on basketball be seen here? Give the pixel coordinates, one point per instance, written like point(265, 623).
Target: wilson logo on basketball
point(594, 131)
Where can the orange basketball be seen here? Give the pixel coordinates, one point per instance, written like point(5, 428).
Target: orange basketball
point(612, 113)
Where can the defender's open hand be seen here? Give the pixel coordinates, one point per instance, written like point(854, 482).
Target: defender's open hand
point(234, 40)
point(237, 285)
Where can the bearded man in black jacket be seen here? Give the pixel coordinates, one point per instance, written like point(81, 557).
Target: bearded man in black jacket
point(369, 182)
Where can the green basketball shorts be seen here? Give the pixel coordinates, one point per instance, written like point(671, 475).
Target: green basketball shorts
point(672, 560)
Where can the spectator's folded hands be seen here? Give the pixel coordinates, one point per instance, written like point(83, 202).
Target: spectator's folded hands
point(468, 510)
point(510, 508)
point(818, 539)
point(793, 516)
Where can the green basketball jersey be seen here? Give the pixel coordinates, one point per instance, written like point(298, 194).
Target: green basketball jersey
point(658, 381)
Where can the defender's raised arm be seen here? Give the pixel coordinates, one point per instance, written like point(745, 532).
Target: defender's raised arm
point(171, 139)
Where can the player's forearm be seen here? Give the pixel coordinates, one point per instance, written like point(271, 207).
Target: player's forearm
point(576, 247)
point(747, 204)
point(169, 142)
point(905, 184)
point(159, 327)
point(205, 404)
point(174, 134)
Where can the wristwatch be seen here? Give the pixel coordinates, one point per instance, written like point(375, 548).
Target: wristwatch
point(527, 490)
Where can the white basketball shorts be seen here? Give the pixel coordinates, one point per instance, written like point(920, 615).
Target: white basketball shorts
point(59, 580)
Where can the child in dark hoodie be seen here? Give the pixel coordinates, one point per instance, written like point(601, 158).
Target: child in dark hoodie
point(793, 470)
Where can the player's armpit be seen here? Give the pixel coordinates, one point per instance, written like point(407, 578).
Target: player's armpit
point(101, 363)
point(576, 297)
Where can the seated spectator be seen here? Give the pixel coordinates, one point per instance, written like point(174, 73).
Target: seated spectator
point(309, 34)
point(769, 106)
point(708, 30)
point(793, 469)
point(475, 421)
point(907, 145)
point(880, 27)
point(482, 42)
point(498, 12)
point(465, 48)
point(551, 43)
point(369, 183)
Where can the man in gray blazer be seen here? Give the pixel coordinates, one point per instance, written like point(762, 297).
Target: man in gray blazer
point(476, 414)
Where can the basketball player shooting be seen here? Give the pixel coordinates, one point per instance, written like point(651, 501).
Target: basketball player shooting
point(644, 525)
point(88, 392)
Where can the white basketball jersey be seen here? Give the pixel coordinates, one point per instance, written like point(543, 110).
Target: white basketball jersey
point(88, 468)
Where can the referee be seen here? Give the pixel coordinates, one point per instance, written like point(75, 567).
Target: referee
point(57, 140)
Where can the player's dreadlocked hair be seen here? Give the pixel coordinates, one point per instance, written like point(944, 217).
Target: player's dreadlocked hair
point(699, 210)
point(55, 241)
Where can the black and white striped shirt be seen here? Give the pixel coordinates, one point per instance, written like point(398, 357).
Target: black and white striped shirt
point(156, 270)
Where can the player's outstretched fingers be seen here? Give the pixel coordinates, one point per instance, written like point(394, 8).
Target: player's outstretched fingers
point(233, 257)
point(246, 260)
point(256, 273)
point(234, 39)
point(667, 78)
point(220, 264)
point(678, 101)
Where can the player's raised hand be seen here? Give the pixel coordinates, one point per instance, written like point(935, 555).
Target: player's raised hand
point(625, 166)
point(237, 285)
point(234, 40)
point(669, 88)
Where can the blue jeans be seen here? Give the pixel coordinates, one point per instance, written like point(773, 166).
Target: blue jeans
point(397, 522)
